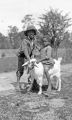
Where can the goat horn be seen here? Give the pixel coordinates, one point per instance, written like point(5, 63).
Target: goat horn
point(26, 63)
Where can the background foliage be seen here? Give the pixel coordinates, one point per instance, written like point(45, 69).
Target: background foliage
point(53, 30)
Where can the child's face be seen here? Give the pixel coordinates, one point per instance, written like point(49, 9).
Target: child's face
point(31, 34)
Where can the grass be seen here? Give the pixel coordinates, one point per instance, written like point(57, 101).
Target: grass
point(8, 64)
point(30, 106)
point(33, 107)
point(52, 106)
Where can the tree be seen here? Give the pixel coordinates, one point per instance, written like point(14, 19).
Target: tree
point(27, 20)
point(4, 43)
point(13, 36)
point(54, 25)
point(70, 38)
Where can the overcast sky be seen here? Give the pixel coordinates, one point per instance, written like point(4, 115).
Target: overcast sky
point(13, 11)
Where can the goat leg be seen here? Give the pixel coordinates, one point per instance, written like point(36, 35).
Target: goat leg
point(32, 80)
point(59, 86)
point(40, 85)
point(40, 90)
point(48, 79)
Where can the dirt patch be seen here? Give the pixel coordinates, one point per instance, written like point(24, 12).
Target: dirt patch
point(55, 103)
point(30, 106)
point(49, 115)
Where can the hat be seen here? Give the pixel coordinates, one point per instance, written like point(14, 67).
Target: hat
point(30, 28)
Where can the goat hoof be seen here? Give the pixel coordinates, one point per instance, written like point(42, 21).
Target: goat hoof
point(59, 90)
point(39, 93)
point(49, 89)
point(28, 90)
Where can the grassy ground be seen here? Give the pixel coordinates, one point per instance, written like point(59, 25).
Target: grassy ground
point(9, 61)
point(8, 64)
point(29, 106)
point(48, 106)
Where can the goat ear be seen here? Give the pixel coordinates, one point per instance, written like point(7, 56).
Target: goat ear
point(55, 60)
point(60, 59)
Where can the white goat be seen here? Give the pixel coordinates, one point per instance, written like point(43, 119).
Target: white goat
point(55, 71)
point(38, 72)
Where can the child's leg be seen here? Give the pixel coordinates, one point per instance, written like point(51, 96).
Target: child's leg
point(20, 70)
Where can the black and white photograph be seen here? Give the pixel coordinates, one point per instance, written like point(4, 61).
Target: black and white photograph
point(35, 59)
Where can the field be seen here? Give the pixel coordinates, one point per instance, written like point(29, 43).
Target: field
point(8, 64)
point(30, 106)
point(8, 58)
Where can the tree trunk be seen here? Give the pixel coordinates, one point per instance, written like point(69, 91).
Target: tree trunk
point(54, 53)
